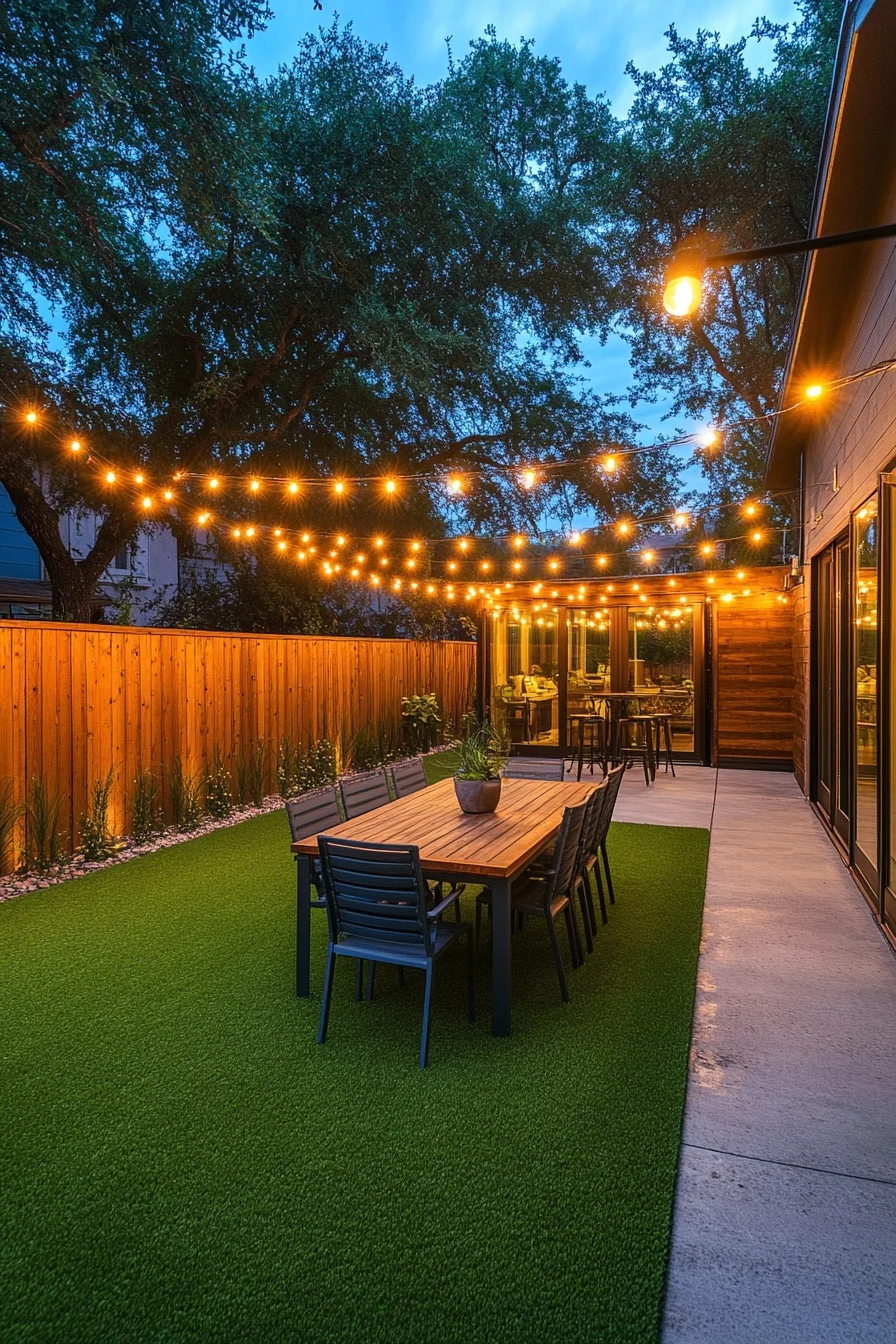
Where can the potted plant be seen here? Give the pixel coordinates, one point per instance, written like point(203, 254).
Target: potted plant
point(477, 780)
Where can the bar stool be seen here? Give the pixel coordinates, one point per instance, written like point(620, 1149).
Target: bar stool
point(594, 726)
point(662, 720)
point(636, 743)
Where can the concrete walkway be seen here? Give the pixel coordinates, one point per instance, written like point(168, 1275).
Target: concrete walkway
point(785, 1212)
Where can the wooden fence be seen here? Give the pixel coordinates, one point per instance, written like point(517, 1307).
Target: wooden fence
point(79, 700)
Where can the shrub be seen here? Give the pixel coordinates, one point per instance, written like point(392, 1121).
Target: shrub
point(10, 814)
point(372, 746)
point(186, 796)
point(97, 841)
point(250, 764)
point(421, 719)
point(318, 767)
point(289, 769)
point(147, 822)
point(218, 799)
point(46, 844)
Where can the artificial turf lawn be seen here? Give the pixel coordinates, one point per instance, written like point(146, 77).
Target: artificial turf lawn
point(182, 1161)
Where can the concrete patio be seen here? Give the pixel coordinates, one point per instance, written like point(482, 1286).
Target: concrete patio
point(786, 1199)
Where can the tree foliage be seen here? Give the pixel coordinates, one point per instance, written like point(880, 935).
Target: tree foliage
point(714, 149)
point(338, 271)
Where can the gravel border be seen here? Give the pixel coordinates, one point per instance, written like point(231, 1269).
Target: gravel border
point(12, 885)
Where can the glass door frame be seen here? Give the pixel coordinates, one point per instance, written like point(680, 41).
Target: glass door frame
point(871, 877)
point(619, 657)
point(886, 602)
point(833, 797)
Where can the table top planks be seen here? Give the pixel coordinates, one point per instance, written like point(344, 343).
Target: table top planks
point(492, 844)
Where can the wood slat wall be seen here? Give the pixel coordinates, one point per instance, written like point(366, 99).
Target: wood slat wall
point(754, 681)
point(77, 701)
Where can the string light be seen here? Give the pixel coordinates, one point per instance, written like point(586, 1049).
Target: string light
point(31, 417)
point(75, 446)
point(609, 465)
point(814, 391)
point(339, 487)
point(708, 438)
point(255, 486)
point(110, 477)
point(146, 502)
point(390, 486)
point(455, 486)
point(529, 479)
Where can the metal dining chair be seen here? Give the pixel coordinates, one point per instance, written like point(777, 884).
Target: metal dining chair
point(408, 777)
point(549, 892)
point(377, 906)
point(533, 767)
point(309, 814)
point(363, 793)
point(612, 784)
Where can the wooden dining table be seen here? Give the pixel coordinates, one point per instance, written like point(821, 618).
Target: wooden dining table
point(491, 848)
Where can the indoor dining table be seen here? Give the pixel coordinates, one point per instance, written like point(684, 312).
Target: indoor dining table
point(491, 848)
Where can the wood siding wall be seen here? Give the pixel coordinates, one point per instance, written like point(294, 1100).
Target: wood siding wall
point(77, 701)
point(753, 706)
point(855, 432)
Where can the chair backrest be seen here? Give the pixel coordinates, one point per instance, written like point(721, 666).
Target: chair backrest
point(597, 802)
point(612, 784)
point(565, 859)
point(362, 793)
point(313, 812)
point(408, 777)
point(375, 892)
point(533, 767)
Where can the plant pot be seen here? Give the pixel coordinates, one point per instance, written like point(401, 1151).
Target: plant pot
point(477, 795)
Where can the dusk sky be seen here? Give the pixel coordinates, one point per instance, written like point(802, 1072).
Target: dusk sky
point(594, 40)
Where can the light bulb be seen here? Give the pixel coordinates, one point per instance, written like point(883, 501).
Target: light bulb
point(683, 293)
point(814, 391)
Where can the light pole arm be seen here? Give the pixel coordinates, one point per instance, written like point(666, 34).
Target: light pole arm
point(722, 259)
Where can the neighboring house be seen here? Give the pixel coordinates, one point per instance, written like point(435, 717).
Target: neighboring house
point(840, 457)
point(136, 574)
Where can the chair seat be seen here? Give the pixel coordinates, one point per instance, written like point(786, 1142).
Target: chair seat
point(399, 954)
point(527, 899)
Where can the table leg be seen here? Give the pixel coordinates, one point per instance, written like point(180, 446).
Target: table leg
point(303, 926)
point(500, 958)
point(581, 749)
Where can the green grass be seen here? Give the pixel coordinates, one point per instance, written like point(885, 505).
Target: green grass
point(181, 1160)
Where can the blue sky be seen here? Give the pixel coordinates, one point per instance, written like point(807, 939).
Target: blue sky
point(594, 40)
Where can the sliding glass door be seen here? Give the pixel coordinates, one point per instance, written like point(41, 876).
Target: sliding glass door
point(866, 537)
point(833, 687)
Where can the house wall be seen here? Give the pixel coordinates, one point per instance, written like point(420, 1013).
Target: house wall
point(19, 557)
point(856, 434)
